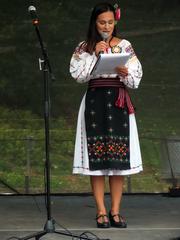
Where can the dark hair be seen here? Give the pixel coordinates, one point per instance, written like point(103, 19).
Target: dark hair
point(92, 35)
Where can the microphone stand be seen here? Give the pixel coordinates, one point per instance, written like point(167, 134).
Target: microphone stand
point(49, 226)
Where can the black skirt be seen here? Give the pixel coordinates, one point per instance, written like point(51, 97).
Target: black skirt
point(107, 129)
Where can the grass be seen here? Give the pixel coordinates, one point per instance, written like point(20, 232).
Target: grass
point(23, 157)
point(142, 182)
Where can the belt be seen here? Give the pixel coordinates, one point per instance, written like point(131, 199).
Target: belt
point(105, 82)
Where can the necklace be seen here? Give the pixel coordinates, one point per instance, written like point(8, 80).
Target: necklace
point(115, 48)
point(110, 41)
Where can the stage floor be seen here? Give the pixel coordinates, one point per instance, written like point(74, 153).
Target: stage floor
point(148, 216)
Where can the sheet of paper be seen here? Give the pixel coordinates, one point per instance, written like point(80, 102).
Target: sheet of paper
point(106, 63)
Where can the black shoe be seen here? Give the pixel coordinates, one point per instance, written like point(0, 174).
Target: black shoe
point(102, 224)
point(120, 224)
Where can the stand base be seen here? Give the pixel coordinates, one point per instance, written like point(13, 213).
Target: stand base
point(174, 191)
point(50, 228)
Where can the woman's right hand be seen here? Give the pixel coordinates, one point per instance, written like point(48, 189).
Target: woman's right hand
point(122, 71)
point(100, 47)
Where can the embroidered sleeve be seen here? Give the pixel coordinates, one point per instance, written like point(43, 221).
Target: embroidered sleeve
point(81, 64)
point(135, 72)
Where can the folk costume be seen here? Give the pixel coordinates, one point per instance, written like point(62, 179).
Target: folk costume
point(107, 140)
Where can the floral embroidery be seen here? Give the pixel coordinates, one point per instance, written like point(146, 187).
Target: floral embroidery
point(81, 48)
point(106, 149)
point(130, 50)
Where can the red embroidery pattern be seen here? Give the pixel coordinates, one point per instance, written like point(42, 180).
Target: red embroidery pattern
point(130, 50)
point(108, 148)
point(80, 48)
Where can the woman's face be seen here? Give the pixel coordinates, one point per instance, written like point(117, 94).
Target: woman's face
point(105, 23)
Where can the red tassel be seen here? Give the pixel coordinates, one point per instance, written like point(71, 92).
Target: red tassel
point(122, 97)
point(120, 101)
point(129, 104)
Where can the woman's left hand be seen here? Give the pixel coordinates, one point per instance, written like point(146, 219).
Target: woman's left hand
point(122, 70)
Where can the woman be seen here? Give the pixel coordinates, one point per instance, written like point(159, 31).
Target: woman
point(107, 141)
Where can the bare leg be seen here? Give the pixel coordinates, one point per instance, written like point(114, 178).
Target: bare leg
point(98, 183)
point(116, 189)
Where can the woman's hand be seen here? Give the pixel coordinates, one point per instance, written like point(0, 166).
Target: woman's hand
point(100, 47)
point(122, 71)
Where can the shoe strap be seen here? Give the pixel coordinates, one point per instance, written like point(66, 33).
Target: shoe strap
point(116, 215)
point(120, 217)
point(101, 216)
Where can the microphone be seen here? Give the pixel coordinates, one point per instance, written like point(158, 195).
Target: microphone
point(104, 36)
point(32, 11)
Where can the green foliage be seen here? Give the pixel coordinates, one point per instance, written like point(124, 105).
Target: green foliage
point(22, 140)
point(22, 155)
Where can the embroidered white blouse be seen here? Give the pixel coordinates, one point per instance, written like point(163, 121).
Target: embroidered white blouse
point(82, 63)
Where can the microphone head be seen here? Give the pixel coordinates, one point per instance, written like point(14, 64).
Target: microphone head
point(31, 8)
point(104, 35)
